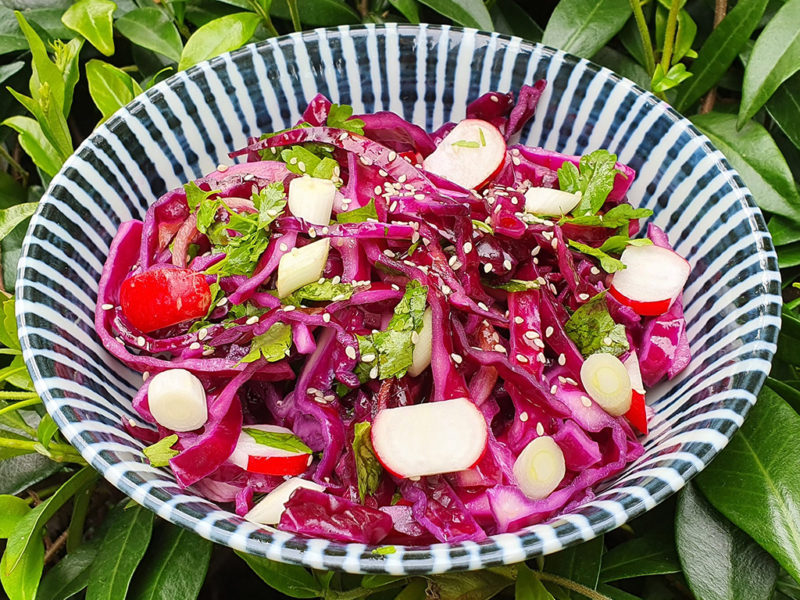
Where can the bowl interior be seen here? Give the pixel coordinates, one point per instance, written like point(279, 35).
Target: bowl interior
point(185, 126)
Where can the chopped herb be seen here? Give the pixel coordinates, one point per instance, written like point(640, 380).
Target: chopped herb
point(248, 309)
point(270, 201)
point(517, 285)
point(483, 137)
point(282, 441)
point(619, 216)
point(321, 292)
point(412, 248)
point(594, 178)
point(367, 466)
point(272, 346)
point(617, 244)
point(608, 263)
point(195, 196)
point(591, 327)
point(482, 226)
point(359, 215)
point(465, 144)
point(340, 116)
point(384, 550)
point(158, 454)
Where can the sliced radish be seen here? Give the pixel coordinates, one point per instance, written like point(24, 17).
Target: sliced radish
point(606, 380)
point(254, 455)
point(302, 266)
point(637, 414)
point(421, 356)
point(549, 202)
point(177, 400)
point(269, 509)
point(471, 154)
point(311, 198)
point(430, 438)
point(652, 279)
point(539, 468)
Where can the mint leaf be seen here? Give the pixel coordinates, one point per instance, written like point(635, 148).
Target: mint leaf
point(608, 263)
point(593, 329)
point(321, 292)
point(282, 441)
point(272, 346)
point(158, 454)
point(359, 215)
point(270, 201)
point(340, 117)
point(367, 466)
point(619, 216)
point(593, 178)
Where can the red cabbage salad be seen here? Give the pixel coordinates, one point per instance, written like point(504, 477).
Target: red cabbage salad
point(368, 332)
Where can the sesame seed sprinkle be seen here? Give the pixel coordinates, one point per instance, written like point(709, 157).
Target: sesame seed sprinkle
point(586, 401)
point(548, 235)
point(541, 358)
point(392, 155)
point(336, 280)
point(536, 250)
point(382, 173)
point(571, 381)
point(251, 321)
point(222, 301)
point(202, 333)
point(393, 206)
point(367, 357)
point(350, 352)
point(608, 341)
point(395, 287)
point(583, 296)
point(194, 346)
point(365, 160)
point(539, 429)
point(554, 243)
point(325, 230)
point(140, 341)
point(522, 358)
point(283, 247)
point(500, 348)
point(289, 308)
point(373, 373)
point(553, 389)
point(312, 232)
point(562, 359)
point(467, 247)
point(519, 320)
point(456, 358)
point(107, 306)
point(452, 260)
point(326, 317)
point(388, 253)
point(209, 351)
point(531, 335)
point(378, 189)
point(482, 306)
point(222, 168)
point(487, 268)
point(594, 271)
point(145, 375)
point(507, 265)
point(523, 416)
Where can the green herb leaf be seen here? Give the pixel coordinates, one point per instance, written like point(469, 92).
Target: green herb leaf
point(195, 196)
point(158, 454)
point(325, 169)
point(110, 87)
point(470, 13)
point(272, 346)
point(482, 226)
point(616, 244)
point(593, 178)
point(608, 263)
point(270, 201)
point(341, 117)
point(282, 441)
point(321, 292)
point(358, 215)
point(618, 216)
point(582, 27)
point(217, 36)
point(517, 285)
point(593, 329)
point(152, 28)
point(241, 253)
point(301, 160)
point(367, 466)
point(93, 20)
point(719, 560)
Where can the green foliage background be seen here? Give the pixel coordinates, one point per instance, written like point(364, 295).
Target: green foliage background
point(733, 68)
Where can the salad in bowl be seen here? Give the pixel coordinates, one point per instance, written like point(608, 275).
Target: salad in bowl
point(368, 332)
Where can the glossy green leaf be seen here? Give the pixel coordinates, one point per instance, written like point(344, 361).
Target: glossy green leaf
point(8, 324)
point(22, 580)
point(413, 591)
point(174, 568)
point(762, 465)
point(292, 580)
point(7, 71)
point(70, 575)
point(469, 13)
point(753, 153)
point(46, 430)
point(10, 251)
point(220, 35)
point(784, 107)
point(615, 593)
point(790, 394)
point(35, 144)
point(471, 584)
point(775, 58)
point(120, 553)
point(110, 87)
point(651, 554)
point(31, 525)
point(13, 216)
point(510, 18)
point(12, 509)
point(528, 586)
point(783, 230)
point(20, 473)
point(11, 38)
point(720, 50)
point(720, 562)
point(582, 27)
point(93, 20)
point(789, 256)
point(579, 563)
point(408, 8)
point(322, 13)
point(151, 28)
point(623, 65)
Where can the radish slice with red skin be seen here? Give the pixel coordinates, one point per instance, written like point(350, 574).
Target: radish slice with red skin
point(259, 458)
point(607, 382)
point(470, 155)
point(637, 414)
point(652, 279)
point(539, 468)
point(431, 438)
point(269, 509)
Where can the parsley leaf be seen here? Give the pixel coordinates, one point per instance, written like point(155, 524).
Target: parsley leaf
point(593, 178)
point(391, 350)
point(158, 454)
point(358, 215)
point(270, 201)
point(321, 292)
point(608, 263)
point(367, 466)
point(282, 441)
point(272, 346)
point(619, 216)
point(195, 196)
point(340, 117)
point(593, 329)
point(241, 255)
point(618, 243)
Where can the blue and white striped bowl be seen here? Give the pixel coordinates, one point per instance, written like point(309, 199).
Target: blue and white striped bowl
point(186, 125)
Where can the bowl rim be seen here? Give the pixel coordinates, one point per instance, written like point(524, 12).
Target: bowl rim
point(415, 559)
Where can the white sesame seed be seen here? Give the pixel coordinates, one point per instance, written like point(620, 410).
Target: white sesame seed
point(395, 287)
point(539, 343)
point(326, 317)
point(312, 232)
point(571, 381)
point(140, 341)
point(536, 250)
point(482, 306)
point(446, 290)
point(222, 301)
point(523, 416)
point(514, 200)
point(293, 160)
point(337, 279)
point(415, 237)
point(494, 98)
point(548, 235)
point(350, 352)
point(562, 379)
point(202, 333)
point(408, 263)
point(554, 243)
point(388, 253)
point(414, 337)
point(393, 207)
point(467, 247)
point(487, 268)
point(507, 265)
point(562, 359)
point(382, 173)
point(583, 296)
point(594, 271)
point(519, 320)
point(368, 357)
point(456, 358)
point(289, 308)
point(283, 247)
point(608, 341)
point(328, 398)
point(107, 306)
point(222, 168)
point(392, 155)
point(145, 375)
point(343, 136)
point(373, 373)
point(541, 280)
point(586, 401)
point(251, 321)
point(553, 289)
point(553, 388)
point(521, 358)
point(530, 335)
point(325, 230)
point(500, 348)
point(365, 160)
point(302, 166)
point(378, 190)
point(402, 179)
point(209, 351)
point(248, 177)
point(541, 358)
point(194, 346)
point(539, 429)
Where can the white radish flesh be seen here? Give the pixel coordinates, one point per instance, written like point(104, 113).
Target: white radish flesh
point(430, 438)
point(469, 155)
point(652, 279)
point(421, 356)
point(252, 456)
point(606, 380)
point(302, 266)
point(311, 199)
point(632, 367)
point(177, 400)
point(539, 468)
point(269, 509)
point(549, 202)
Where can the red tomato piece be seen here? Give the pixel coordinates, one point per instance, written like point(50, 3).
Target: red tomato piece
point(162, 297)
point(637, 415)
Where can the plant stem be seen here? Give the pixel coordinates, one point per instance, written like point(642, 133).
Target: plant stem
point(58, 452)
point(571, 585)
point(55, 546)
point(17, 395)
point(669, 37)
point(644, 34)
point(720, 10)
point(259, 10)
point(24, 175)
point(23, 404)
point(295, 14)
